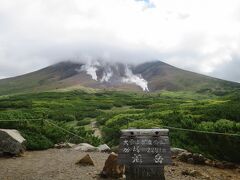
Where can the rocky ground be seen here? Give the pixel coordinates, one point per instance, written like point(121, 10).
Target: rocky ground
point(60, 164)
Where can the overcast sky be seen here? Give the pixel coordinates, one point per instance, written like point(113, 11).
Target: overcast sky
point(197, 35)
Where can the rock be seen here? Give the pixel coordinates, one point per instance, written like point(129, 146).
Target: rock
point(111, 168)
point(11, 142)
point(221, 165)
point(64, 145)
point(104, 148)
point(209, 162)
point(85, 147)
point(184, 156)
point(229, 165)
point(86, 161)
point(177, 151)
point(191, 158)
point(218, 164)
point(225, 165)
point(198, 159)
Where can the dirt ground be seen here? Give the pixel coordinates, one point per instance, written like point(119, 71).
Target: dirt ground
point(60, 164)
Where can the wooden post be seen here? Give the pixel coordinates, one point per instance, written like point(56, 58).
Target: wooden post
point(144, 152)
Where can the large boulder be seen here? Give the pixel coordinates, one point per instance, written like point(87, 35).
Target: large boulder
point(11, 142)
point(111, 168)
point(85, 147)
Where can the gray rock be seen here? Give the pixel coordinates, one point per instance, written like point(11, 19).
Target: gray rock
point(85, 147)
point(229, 165)
point(225, 165)
point(184, 156)
point(64, 145)
point(11, 142)
point(191, 158)
point(177, 151)
point(104, 148)
point(198, 158)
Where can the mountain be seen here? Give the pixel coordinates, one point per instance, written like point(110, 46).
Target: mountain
point(150, 76)
point(162, 76)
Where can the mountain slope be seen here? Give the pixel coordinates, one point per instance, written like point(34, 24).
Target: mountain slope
point(164, 76)
point(150, 76)
point(45, 79)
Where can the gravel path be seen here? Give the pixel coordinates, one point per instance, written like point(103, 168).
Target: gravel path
point(60, 164)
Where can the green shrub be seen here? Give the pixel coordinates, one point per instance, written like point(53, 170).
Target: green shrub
point(36, 141)
point(84, 122)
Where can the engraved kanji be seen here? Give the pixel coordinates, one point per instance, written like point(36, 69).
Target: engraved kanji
point(137, 158)
point(155, 142)
point(137, 142)
point(125, 142)
point(143, 142)
point(131, 142)
point(136, 149)
point(158, 159)
point(126, 150)
point(149, 142)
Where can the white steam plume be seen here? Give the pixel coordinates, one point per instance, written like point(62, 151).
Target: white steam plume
point(135, 79)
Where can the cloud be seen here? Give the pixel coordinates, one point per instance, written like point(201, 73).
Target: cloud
point(229, 71)
point(201, 36)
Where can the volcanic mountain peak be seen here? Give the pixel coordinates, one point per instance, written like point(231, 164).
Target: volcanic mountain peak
point(150, 76)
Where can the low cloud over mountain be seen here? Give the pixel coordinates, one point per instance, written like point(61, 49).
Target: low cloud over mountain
point(201, 36)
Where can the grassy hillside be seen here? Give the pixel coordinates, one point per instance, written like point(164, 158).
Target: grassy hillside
point(75, 110)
